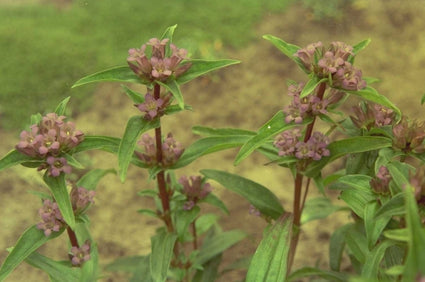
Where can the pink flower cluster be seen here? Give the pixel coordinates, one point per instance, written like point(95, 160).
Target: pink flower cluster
point(153, 107)
point(381, 182)
point(409, 136)
point(194, 190)
point(81, 198)
point(52, 220)
point(372, 115)
point(158, 66)
point(332, 62)
point(79, 255)
point(289, 144)
point(48, 140)
point(171, 150)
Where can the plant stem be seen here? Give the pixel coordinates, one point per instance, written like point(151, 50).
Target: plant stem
point(195, 237)
point(162, 186)
point(72, 237)
point(298, 187)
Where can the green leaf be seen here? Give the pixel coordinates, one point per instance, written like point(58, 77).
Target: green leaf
point(361, 45)
point(357, 243)
point(60, 109)
point(125, 264)
point(286, 48)
point(318, 208)
point(162, 253)
point(183, 219)
point(423, 99)
point(324, 274)
point(270, 261)
point(218, 244)
point(311, 84)
point(274, 126)
point(374, 226)
point(208, 131)
point(15, 157)
point(174, 88)
point(136, 125)
point(348, 146)
point(73, 161)
point(208, 145)
point(136, 97)
point(35, 119)
point(58, 188)
point(374, 258)
point(148, 212)
point(57, 271)
point(395, 206)
point(200, 67)
point(168, 33)
point(336, 247)
point(121, 73)
point(29, 242)
point(104, 143)
point(397, 234)
point(215, 201)
point(92, 178)
point(259, 196)
point(400, 174)
point(372, 95)
point(204, 222)
point(415, 261)
point(209, 273)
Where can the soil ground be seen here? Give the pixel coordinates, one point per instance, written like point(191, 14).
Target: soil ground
point(242, 96)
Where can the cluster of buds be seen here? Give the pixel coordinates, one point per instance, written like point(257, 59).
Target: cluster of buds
point(81, 198)
point(381, 182)
point(333, 63)
point(289, 144)
point(153, 107)
point(79, 255)
point(52, 220)
point(301, 108)
point(48, 140)
point(409, 136)
point(171, 151)
point(158, 66)
point(370, 115)
point(194, 190)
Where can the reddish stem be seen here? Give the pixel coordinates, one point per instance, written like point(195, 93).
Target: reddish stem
point(72, 237)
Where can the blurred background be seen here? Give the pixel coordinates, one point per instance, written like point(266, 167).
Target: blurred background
point(46, 45)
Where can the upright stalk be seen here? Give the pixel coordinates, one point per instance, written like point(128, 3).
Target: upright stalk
point(72, 237)
point(298, 204)
point(162, 186)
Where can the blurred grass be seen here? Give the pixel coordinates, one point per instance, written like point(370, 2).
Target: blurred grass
point(44, 48)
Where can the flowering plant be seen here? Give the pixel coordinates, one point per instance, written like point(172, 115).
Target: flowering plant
point(376, 153)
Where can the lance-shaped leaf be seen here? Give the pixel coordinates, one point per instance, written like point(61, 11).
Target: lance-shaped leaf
point(15, 157)
point(274, 126)
point(336, 247)
point(58, 188)
point(374, 226)
point(373, 259)
point(348, 146)
point(311, 84)
point(358, 47)
point(312, 271)
point(394, 207)
point(270, 261)
point(60, 109)
point(136, 97)
point(91, 178)
point(209, 131)
point(201, 67)
point(168, 33)
point(318, 208)
point(370, 94)
point(174, 88)
point(183, 218)
point(136, 125)
point(104, 143)
point(259, 196)
point(286, 48)
point(28, 243)
point(121, 74)
point(57, 271)
point(162, 252)
point(208, 145)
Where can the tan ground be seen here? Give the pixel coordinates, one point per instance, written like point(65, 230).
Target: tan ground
point(241, 96)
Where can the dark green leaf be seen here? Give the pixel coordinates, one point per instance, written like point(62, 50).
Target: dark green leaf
point(218, 244)
point(91, 178)
point(208, 131)
point(204, 222)
point(270, 261)
point(209, 273)
point(215, 201)
point(125, 264)
point(73, 161)
point(57, 271)
point(174, 88)
point(423, 99)
point(336, 247)
point(14, 157)
point(200, 67)
point(324, 274)
point(259, 196)
point(148, 212)
point(357, 243)
point(348, 146)
point(318, 208)
point(58, 188)
point(183, 219)
point(136, 97)
point(136, 125)
point(60, 109)
point(286, 48)
point(311, 84)
point(374, 226)
point(374, 258)
point(122, 74)
point(208, 145)
point(173, 109)
point(274, 126)
point(162, 253)
point(104, 143)
point(28, 243)
point(395, 206)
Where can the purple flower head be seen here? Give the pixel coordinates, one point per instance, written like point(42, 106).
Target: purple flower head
point(79, 255)
point(409, 136)
point(341, 50)
point(286, 142)
point(383, 115)
point(349, 78)
point(318, 106)
point(303, 150)
point(318, 144)
point(330, 63)
point(57, 165)
point(81, 198)
point(151, 107)
point(171, 151)
point(149, 155)
point(307, 55)
point(52, 220)
point(69, 137)
point(381, 182)
point(158, 47)
point(254, 211)
point(194, 190)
